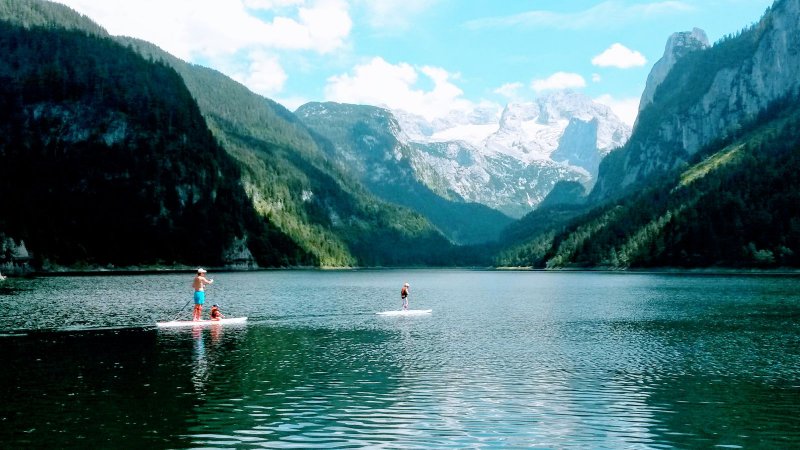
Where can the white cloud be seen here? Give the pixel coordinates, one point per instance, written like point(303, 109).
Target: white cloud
point(509, 90)
point(626, 109)
point(378, 82)
point(213, 27)
point(619, 56)
point(223, 30)
point(559, 80)
point(327, 25)
point(264, 74)
point(594, 17)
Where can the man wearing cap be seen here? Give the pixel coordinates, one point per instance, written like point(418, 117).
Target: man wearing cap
point(404, 295)
point(200, 281)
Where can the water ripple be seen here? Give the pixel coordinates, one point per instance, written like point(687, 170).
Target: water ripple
point(505, 360)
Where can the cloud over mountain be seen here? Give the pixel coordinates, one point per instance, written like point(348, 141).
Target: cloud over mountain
point(619, 56)
point(397, 86)
point(557, 81)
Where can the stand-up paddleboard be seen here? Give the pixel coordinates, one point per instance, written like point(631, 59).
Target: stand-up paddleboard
point(405, 312)
point(194, 323)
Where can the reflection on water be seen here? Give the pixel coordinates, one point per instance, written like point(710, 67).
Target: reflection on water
point(505, 360)
point(203, 360)
point(200, 365)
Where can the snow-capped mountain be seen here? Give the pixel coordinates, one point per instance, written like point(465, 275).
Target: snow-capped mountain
point(511, 159)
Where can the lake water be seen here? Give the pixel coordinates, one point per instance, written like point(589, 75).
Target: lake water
point(506, 359)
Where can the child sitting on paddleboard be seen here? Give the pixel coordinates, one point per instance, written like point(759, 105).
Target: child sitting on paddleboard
point(216, 314)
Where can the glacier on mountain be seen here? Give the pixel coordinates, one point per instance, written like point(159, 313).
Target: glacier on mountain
point(510, 159)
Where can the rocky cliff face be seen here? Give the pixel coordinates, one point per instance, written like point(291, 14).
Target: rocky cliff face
point(678, 45)
point(14, 256)
point(578, 145)
point(706, 96)
point(498, 180)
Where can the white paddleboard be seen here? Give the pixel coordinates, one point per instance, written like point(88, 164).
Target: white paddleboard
point(405, 312)
point(194, 323)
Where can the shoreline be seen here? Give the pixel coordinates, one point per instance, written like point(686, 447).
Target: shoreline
point(130, 271)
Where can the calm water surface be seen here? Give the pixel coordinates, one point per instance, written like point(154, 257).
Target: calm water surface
point(507, 359)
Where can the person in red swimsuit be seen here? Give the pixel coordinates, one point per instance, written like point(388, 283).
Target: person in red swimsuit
point(216, 314)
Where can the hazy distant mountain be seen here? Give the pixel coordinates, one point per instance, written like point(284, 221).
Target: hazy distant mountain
point(366, 142)
point(510, 161)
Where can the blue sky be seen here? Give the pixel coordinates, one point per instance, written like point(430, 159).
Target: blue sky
point(426, 56)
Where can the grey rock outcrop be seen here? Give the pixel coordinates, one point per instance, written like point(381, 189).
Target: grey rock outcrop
point(678, 45)
point(578, 145)
point(14, 256)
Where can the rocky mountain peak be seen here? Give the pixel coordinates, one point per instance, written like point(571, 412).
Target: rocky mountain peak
point(678, 45)
point(565, 105)
point(510, 160)
point(516, 113)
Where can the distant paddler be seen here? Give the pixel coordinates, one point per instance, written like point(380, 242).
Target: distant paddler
point(404, 295)
point(199, 284)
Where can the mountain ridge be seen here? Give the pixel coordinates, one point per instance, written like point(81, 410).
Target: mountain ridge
point(510, 161)
point(706, 95)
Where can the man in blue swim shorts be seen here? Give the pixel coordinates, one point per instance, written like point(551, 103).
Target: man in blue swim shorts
point(200, 281)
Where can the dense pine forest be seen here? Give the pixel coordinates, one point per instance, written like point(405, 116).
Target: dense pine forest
point(106, 159)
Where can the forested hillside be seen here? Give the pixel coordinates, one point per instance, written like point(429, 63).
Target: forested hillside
point(709, 94)
point(292, 183)
point(735, 205)
point(106, 159)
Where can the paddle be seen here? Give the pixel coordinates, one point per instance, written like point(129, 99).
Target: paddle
point(181, 310)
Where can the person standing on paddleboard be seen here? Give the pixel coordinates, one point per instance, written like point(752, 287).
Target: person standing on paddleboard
point(404, 295)
point(199, 284)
